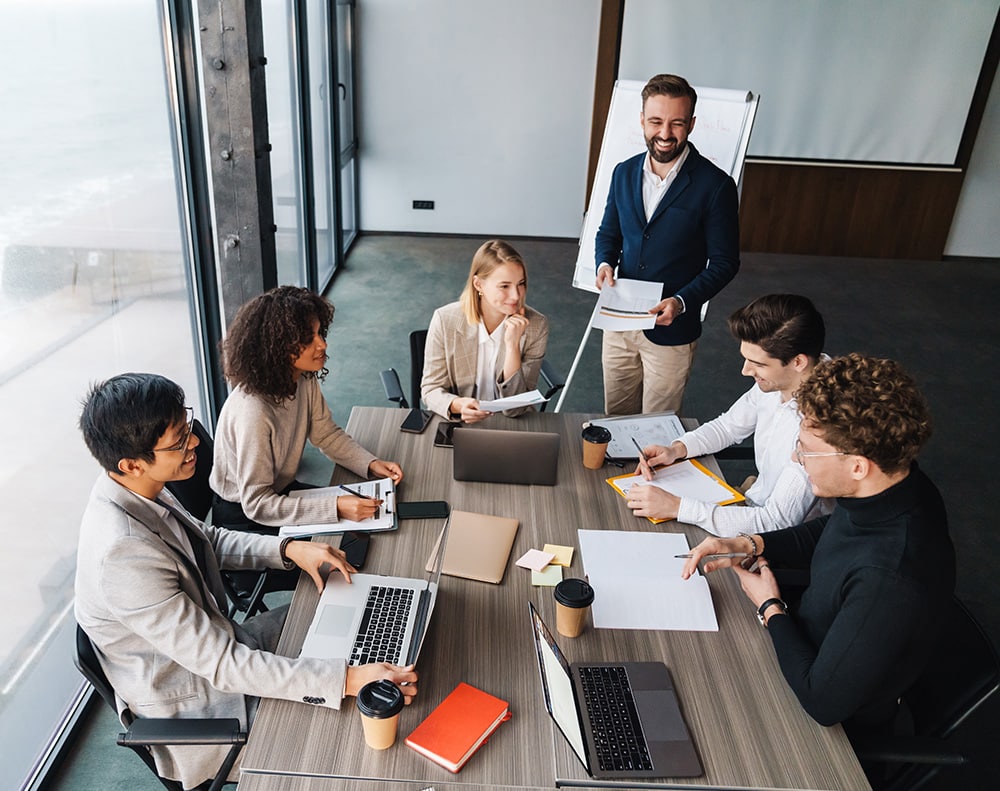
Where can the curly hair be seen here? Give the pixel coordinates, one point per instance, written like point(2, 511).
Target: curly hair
point(267, 333)
point(869, 407)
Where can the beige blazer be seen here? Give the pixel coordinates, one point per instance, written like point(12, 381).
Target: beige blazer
point(163, 640)
point(452, 354)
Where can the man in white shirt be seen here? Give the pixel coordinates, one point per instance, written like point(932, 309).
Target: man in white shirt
point(781, 339)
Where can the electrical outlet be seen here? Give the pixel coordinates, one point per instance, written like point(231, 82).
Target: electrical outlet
point(423, 204)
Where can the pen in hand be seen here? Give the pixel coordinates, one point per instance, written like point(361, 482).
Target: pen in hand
point(716, 556)
point(356, 493)
point(643, 461)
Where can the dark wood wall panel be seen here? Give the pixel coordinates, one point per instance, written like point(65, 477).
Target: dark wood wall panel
point(863, 212)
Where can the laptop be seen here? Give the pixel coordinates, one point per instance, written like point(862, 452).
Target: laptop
point(642, 733)
point(492, 455)
point(375, 618)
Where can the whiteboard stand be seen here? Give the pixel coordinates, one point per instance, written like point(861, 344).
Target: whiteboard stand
point(722, 135)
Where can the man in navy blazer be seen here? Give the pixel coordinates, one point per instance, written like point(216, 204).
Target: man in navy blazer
point(672, 217)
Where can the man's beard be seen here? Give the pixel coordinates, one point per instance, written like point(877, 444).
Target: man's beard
point(665, 156)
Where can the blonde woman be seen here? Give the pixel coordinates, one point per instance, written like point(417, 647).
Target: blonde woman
point(487, 345)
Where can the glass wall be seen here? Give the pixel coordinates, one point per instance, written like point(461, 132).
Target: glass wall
point(93, 282)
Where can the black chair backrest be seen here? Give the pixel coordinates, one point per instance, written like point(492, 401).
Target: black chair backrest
point(194, 493)
point(418, 341)
point(963, 671)
point(85, 659)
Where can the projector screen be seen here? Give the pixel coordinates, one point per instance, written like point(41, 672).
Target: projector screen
point(845, 80)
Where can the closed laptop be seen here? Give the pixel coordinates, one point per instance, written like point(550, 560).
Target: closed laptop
point(499, 456)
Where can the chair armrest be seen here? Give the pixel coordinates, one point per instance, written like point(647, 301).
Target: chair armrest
point(393, 390)
point(166, 731)
point(909, 750)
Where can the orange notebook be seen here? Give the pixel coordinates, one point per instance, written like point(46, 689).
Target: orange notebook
point(458, 726)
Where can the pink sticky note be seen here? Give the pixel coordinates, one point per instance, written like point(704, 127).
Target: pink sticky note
point(535, 559)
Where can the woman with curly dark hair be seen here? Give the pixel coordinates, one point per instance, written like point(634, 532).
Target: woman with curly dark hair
point(275, 357)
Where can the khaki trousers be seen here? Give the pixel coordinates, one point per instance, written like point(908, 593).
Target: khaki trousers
point(641, 376)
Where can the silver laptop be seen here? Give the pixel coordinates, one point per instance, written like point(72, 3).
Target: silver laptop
point(498, 456)
point(375, 618)
point(622, 719)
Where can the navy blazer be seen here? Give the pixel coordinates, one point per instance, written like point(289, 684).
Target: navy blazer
point(691, 243)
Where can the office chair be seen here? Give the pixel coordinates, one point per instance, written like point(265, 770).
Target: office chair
point(962, 673)
point(549, 378)
point(245, 589)
point(143, 733)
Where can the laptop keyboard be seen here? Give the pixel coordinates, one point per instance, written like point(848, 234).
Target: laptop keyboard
point(380, 636)
point(614, 720)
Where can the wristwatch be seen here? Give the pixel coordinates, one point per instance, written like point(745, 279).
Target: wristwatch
point(763, 608)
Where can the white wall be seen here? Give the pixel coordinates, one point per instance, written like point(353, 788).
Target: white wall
point(975, 231)
point(482, 107)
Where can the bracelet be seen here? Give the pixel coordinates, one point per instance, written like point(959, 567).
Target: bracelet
point(753, 544)
point(770, 602)
point(288, 564)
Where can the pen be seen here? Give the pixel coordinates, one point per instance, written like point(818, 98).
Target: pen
point(638, 447)
point(356, 493)
point(719, 555)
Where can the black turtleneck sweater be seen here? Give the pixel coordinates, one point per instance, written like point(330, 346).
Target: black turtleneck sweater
point(881, 570)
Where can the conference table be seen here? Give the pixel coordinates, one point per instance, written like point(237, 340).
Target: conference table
point(748, 728)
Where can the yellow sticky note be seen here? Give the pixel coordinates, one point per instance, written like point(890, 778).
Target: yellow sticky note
point(564, 555)
point(550, 576)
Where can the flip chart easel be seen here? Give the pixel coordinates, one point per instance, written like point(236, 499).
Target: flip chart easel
point(721, 134)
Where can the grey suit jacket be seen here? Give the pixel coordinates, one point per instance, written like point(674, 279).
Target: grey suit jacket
point(452, 353)
point(161, 634)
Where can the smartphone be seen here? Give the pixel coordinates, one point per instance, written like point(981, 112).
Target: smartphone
point(416, 421)
point(427, 509)
point(355, 546)
point(442, 439)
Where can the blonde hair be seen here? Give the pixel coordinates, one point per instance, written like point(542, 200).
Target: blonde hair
point(488, 257)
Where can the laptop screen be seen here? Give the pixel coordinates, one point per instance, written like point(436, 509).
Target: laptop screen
point(557, 685)
point(428, 596)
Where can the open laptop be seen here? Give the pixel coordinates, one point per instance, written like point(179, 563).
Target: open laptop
point(643, 733)
point(375, 618)
point(493, 455)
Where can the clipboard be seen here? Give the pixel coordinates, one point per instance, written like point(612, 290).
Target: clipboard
point(687, 478)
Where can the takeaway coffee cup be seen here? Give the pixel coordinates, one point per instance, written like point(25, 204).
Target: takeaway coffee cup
point(595, 445)
point(380, 703)
point(573, 600)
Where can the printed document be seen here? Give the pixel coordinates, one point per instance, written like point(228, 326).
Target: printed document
point(626, 306)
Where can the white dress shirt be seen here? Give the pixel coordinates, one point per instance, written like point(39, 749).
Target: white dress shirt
point(781, 496)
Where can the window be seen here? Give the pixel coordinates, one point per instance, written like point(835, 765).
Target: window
point(93, 282)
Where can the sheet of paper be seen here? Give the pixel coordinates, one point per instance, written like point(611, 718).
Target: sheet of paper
point(563, 555)
point(513, 402)
point(653, 429)
point(548, 577)
point(637, 582)
point(381, 489)
point(534, 559)
point(626, 306)
point(683, 479)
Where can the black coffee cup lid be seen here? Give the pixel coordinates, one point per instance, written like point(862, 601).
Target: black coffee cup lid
point(574, 593)
point(380, 699)
point(596, 434)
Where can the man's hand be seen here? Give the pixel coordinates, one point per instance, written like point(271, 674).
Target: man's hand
point(605, 277)
point(469, 410)
point(385, 469)
point(666, 310)
point(403, 677)
point(312, 556)
point(659, 456)
point(653, 501)
point(759, 585)
point(715, 546)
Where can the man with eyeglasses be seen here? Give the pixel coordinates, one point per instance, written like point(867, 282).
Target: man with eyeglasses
point(149, 591)
point(881, 566)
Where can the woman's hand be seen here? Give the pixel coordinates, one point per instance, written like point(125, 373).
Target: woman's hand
point(312, 556)
point(356, 509)
point(403, 677)
point(514, 328)
point(468, 409)
point(385, 469)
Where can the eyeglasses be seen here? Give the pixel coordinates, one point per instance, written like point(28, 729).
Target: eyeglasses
point(183, 444)
point(806, 454)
